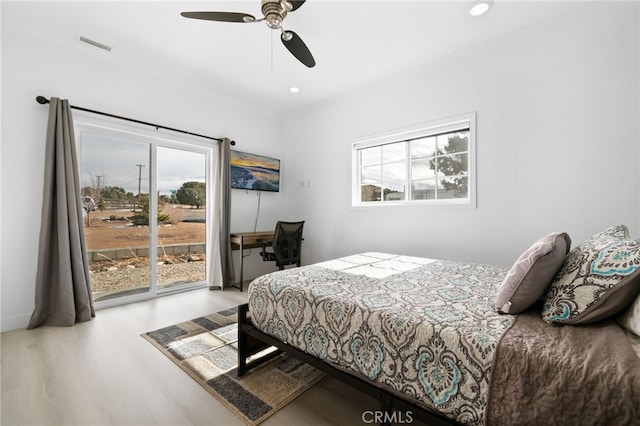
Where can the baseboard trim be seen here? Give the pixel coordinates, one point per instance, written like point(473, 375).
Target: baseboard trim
point(14, 323)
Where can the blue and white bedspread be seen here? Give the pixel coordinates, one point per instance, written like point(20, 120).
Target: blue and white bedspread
point(422, 328)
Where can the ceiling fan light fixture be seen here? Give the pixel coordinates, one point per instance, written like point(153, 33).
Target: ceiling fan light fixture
point(480, 7)
point(274, 21)
point(274, 13)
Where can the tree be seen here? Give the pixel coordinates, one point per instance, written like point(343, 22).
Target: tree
point(192, 194)
point(142, 218)
point(95, 189)
point(454, 165)
point(114, 193)
point(91, 195)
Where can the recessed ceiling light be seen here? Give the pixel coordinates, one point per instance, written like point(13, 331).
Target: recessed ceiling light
point(294, 89)
point(480, 7)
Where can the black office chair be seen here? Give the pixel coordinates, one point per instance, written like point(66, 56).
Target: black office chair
point(286, 245)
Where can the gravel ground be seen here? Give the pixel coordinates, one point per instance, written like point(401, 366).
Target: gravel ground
point(130, 277)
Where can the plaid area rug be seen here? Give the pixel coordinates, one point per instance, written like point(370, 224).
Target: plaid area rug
point(206, 349)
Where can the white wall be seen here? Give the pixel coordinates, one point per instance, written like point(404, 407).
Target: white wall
point(557, 143)
point(34, 64)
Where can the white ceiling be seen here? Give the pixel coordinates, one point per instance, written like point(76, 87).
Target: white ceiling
point(354, 43)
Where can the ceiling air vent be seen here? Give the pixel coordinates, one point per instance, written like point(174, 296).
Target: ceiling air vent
point(95, 43)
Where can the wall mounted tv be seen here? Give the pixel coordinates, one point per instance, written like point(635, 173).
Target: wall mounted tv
point(251, 171)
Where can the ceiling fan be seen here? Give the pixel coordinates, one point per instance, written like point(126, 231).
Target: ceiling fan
point(274, 13)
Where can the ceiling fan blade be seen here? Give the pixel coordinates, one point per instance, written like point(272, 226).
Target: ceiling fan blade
point(296, 46)
point(220, 16)
point(296, 4)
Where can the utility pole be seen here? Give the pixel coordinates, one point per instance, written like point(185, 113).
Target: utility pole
point(140, 166)
point(98, 194)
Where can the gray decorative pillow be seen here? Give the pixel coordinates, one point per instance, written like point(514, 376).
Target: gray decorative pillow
point(598, 279)
point(530, 276)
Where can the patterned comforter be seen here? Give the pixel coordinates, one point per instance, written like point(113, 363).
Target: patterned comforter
point(422, 328)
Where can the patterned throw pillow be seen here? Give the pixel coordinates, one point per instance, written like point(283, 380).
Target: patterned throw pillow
point(530, 276)
point(630, 319)
point(598, 279)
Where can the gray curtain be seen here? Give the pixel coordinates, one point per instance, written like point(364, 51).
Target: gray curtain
point(226, 258)
point(63, 291)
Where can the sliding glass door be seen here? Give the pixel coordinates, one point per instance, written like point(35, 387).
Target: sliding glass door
point(182, 217)
point(145, 205)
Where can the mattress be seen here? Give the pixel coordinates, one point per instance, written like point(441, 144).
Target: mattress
point(422, 328)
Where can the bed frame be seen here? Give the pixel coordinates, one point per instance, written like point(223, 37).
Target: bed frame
point(252, 341)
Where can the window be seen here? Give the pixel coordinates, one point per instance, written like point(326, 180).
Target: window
point(428, 164)
point(146, 209)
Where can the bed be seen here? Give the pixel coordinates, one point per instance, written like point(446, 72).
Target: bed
point(436, 338)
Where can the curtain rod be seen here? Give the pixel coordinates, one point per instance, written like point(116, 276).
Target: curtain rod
point(42, 100)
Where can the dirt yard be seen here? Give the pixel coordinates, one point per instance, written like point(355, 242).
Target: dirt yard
point(117, 232)
point(111, 229)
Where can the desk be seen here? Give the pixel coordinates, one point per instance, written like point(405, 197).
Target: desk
point(248, 240)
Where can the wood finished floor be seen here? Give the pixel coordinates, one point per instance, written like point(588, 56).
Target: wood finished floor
point(103, 373)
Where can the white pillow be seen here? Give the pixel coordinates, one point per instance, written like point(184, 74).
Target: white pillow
point(630, 318)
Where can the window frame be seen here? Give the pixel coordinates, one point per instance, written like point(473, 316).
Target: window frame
point(408, 134)
point(155, 138)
